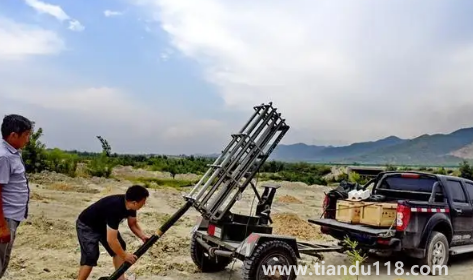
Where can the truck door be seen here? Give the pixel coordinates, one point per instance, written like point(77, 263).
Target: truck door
point(461, 212)
point(469, 191)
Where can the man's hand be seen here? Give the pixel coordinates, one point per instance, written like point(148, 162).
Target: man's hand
point(4, 232)
point(130, 258)
point(135, 228)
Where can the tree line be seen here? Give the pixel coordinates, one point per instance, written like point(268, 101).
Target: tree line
point(38, 158)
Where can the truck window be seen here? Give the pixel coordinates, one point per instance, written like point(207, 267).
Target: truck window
point(469, 189)
point(456, 189)
point(408, 184)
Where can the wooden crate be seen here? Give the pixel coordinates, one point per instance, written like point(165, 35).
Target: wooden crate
point(379, 214)
point(348, 211)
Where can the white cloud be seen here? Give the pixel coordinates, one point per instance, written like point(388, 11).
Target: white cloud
point(104, 103)
point(74, 25)
point(72, 114)
point(109, 13)
point(56, 12)
point(336, 69)
point(21, 40)
point(45, 8)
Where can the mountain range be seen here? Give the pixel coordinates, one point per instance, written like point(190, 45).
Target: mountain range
point(435, 149)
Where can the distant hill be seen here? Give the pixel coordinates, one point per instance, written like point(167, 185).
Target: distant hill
point(436, 149)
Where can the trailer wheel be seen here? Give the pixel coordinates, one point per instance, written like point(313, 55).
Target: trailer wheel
point(437, 253)
point(203, 261)
point(272, 254)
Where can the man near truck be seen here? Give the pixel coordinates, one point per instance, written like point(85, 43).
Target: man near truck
point(99, 223)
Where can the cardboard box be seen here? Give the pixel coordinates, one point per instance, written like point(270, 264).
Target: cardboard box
point(379, 214)
point(349, 211)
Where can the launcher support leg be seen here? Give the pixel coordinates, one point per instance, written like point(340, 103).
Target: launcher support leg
point(150, 242)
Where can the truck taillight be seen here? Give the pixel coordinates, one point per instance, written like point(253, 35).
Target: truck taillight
point(403, 216)
point(211, 230)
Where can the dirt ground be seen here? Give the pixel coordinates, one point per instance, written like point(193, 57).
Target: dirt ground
point(46, 246)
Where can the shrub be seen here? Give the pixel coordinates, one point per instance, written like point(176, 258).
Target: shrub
point(102, 165)
point(99, 167)
point(62, 162)
point(466, 171)
point(441, 171)
point(34, 153)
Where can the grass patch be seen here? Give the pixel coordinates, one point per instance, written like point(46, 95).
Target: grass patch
point(163, 182)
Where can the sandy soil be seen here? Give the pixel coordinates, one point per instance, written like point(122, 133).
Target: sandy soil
point(46, 246)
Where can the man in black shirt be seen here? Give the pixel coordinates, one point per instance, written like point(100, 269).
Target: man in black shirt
point(99, 223)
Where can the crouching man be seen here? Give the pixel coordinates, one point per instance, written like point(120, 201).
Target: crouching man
point(99, 223)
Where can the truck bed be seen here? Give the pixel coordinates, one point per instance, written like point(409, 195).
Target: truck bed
point(351, 227)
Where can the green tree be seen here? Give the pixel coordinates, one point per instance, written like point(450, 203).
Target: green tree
point(466, 171)
point(441, 171)
point(106, 149)
point(390, 167)
point(62, 162)
point(102, 165)
point(34, 153)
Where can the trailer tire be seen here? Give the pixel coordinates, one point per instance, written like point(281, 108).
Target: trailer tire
point(206, 263)
point(253, 265)
point(437, 250)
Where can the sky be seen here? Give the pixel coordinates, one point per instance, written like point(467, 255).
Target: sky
point(179, 76)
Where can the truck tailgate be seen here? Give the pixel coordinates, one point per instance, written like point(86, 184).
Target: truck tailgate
point(332, 223)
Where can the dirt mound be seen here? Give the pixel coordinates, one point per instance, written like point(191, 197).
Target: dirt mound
point(170, 253)
point(129, 172)
point(42, 232)
point(47, 178)
point(292, 225)
point(288, 199)
point(61, 186)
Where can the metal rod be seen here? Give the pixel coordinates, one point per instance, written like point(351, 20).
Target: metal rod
point(245, 165)
point(204, 244)
point(223, 253)
point(222, 196)
point(216, 162)
point(216, 172)
point(227, 159)
point(250, 141)
point(257, 111)
point(225, 151)
point(150, 242)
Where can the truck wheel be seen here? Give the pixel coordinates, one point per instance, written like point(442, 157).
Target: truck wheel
point(203, 260)
point(437, 253)
point(270, 255)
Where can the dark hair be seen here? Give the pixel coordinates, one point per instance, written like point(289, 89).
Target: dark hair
point(136, 193)
point(15, 123)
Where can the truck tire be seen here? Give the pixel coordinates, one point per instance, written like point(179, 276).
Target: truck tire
point(436, 252)
point(270, 253)
point(204, 262)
